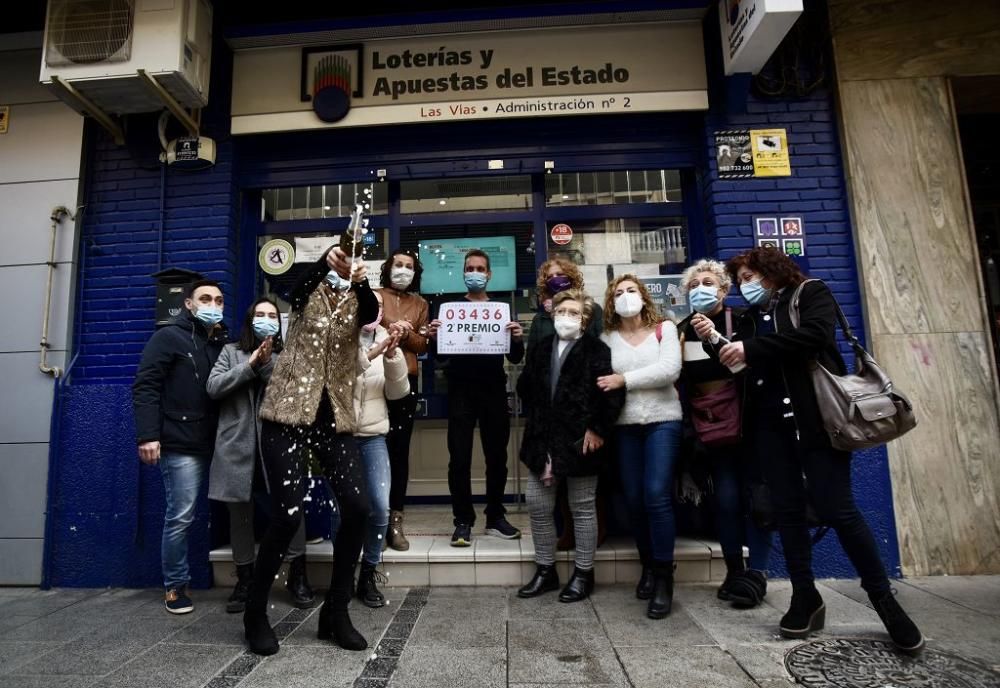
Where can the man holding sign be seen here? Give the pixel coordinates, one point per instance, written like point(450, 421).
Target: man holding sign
point(473, 335)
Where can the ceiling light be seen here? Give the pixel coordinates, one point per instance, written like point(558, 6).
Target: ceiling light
point(442, 202)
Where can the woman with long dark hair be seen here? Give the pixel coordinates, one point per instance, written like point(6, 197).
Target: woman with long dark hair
point(405, 310)
point(783, 425)
point(238, 381)
point(308, 409)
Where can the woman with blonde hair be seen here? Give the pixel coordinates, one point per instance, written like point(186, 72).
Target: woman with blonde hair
point(646, 359)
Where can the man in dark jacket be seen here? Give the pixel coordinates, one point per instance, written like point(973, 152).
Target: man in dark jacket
point(175, 422)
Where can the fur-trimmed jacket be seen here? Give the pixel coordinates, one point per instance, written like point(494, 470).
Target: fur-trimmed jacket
point(556, 423)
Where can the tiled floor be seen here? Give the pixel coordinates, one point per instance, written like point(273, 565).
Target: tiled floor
point(486, 636)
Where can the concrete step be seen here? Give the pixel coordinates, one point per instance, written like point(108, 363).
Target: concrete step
point(431, 560)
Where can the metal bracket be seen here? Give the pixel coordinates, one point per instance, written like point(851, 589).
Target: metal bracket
point(176, 109)
point(89, 108)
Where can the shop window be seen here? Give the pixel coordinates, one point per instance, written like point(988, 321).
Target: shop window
point(318, 202)
point(653, 249)
point(468, 194)
point(607, 188)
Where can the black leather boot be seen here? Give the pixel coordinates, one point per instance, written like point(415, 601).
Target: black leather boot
point(644, 590)
point(904, 633)
point(545, 579)
point(237, 601)
point(663, 590)
point(298, 583)
point(579, 587)
point(805, 614)
point(734, 569)
point(256, 628)
point(335, 624)
point(367, 591)
point(748, 589)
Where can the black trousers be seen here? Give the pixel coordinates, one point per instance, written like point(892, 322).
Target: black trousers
point(283, 448)
point(470, 402)
point(398, 442)
point(827, 482)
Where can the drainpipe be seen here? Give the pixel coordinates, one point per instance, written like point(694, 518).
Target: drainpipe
point(59, 213)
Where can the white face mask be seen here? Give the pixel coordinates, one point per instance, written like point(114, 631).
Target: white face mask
point(401, 278)
point(567, 327)
point(628, 304)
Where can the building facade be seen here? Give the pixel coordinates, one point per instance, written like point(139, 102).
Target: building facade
point(615, 137)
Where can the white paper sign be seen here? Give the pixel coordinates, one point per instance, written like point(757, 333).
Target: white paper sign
point(310, 249)
point(474, 328)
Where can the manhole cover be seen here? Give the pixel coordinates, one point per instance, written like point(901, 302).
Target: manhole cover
point(862, 663)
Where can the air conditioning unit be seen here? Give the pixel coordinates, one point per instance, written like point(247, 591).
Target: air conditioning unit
point(98, 46)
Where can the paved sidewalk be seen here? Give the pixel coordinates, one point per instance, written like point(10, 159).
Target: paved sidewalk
point(456, 637)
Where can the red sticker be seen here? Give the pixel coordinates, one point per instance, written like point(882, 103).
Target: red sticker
point(562, 234)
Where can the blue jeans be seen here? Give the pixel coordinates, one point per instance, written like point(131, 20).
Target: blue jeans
point(736, 528)
point(375, 457)
point(647, 456)
point(183, 478)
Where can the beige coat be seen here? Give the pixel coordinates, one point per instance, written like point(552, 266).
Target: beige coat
point(384, 379)
point(321, 353)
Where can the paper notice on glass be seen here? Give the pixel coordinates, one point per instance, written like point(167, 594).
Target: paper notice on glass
point(310, 249)
point(474, 328)
point(613, 247)
point(638, 269)
point(595, 281)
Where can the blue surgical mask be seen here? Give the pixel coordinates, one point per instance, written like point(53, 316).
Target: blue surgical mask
point(265, 327)
point(337, 282)
point(755, 294)
point(475, 281)
point(703, 298)
point(211, 315)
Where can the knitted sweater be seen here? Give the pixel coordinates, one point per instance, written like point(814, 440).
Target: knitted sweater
point(650, 370)
point(384, 379)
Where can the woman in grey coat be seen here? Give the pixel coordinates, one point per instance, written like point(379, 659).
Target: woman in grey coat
point(237, 381)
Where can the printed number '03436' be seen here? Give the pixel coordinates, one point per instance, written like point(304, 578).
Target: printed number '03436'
point(473, 314)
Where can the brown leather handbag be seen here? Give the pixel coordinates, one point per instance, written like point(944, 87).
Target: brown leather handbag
point(862, 409)
point(715, 415)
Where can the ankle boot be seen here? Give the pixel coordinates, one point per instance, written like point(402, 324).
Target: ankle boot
point(805, 614)
point(367, 591)
point(335, 624)
point(748, 589)
point(644, 590)
point(396, 538)
point(904, 633)
point(298, 583)
point(546, 578)
point(663, 590)
point(258, 633)
point(734, 569)
point(579, 587)
point(237, 601)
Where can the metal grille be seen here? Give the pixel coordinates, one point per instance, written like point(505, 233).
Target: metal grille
point(89, 31)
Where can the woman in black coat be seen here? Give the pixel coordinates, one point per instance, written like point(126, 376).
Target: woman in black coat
point(782, 421)
point(568, 420)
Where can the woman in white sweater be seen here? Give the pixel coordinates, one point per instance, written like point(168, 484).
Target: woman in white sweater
point(384, 378)
point(646, 359)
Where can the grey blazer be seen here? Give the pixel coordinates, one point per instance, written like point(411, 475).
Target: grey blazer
point(231, 381)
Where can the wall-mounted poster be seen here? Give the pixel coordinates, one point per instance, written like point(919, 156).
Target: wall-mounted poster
point(748, 153)
point(783, 233)
point(732, 154)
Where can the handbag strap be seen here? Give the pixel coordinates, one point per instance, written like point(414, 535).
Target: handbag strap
point(793, 315)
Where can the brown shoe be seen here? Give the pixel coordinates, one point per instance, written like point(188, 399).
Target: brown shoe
point(397, 539)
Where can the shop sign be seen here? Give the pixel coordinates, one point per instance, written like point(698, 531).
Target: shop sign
point(786, 234)
point(742, 154)
point(752, 30)
point(484, 75)
point(667, 293)
point(276, 257)
point(561, 234)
